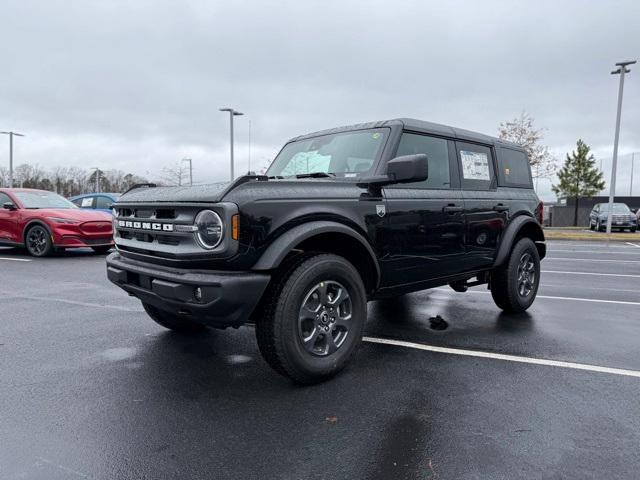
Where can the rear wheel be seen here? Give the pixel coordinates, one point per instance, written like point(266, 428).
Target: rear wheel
point(38, 241)
point(173, 322)
point(514, 285)
point(314, 318)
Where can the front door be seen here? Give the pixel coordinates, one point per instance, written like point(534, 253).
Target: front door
point(425, 220)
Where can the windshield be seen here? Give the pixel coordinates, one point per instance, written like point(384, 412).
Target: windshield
point(348, 154)
point(43, 200)
point(617, 208)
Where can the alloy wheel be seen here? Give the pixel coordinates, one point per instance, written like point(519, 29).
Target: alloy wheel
point(324, 319)
point(37, 240)
point(526, 275)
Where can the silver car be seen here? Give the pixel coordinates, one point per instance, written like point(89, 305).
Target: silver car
point(622, 217)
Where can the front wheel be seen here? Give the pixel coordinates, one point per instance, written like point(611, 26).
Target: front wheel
point(314, 317)
point(514, 285)
point(38, 241)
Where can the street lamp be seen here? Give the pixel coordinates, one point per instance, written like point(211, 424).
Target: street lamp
point(621, 70)
point(232, 113)
point(11, 135)
point(190, 170)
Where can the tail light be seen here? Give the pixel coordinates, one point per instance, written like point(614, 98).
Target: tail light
point(540, 212)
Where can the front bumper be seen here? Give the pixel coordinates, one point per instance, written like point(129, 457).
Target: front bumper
point(226, 299)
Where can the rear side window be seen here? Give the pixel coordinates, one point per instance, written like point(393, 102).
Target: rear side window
point(437, 151)
point(103, 202)
point(514, 168)
point(476, 166)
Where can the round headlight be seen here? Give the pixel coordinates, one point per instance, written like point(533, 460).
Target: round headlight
point(209, 225)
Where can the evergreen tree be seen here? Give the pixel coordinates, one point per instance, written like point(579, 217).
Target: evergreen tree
point(579, 177)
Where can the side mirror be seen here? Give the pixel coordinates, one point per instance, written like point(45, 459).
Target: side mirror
point(404, 169)
point(9, 206)
point(634, 210)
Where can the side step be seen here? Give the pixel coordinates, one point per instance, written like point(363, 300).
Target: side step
point(463, 285)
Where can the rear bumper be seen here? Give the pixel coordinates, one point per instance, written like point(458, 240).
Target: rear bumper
point(227, 298)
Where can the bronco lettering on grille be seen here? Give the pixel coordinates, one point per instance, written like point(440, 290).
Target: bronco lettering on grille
point(164, 227)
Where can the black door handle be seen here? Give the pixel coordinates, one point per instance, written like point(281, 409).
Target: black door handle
point(500, 208)
point(451, 208)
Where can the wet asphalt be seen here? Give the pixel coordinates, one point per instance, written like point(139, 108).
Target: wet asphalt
point(91, 388)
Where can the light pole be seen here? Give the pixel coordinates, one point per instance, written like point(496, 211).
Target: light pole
point(232, 113)
point(633, 160)
point(11, 135)
point(190, 170)
point(621, 70)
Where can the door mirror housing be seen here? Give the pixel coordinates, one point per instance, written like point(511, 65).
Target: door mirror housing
point(403, 169)
point(9, 206)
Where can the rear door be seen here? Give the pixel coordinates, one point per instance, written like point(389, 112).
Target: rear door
point(486, 209)
point(425, 220)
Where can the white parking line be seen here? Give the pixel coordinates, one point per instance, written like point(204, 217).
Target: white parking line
point(15, 259)
point(635, 245)
point(552, 297)
point(501, 356)
point(8, 295)
point(591, 260)
point(592, 273)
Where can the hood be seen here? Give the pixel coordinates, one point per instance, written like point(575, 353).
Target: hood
point(76, 214)
point(213, 192)
point(244, 189)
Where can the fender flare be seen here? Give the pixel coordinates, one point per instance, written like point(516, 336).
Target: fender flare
point(281, 246)
point(510, 234)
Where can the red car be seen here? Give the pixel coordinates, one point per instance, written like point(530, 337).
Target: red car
point(44, 222)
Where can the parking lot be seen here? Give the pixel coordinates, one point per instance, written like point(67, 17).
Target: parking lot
point(445, 386)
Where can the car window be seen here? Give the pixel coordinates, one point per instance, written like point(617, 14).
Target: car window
point(87, 202)
point(4, 198)
point(514, 168)
point(103, 202)
point(345, 154)
point(437, 151)
point(476, 166)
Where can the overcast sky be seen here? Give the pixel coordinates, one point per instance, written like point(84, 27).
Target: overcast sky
point(137, 85)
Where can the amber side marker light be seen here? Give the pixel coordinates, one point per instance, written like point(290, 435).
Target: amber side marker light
point(235, 227)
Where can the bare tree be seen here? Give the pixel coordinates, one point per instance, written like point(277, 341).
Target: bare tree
point(175, 174)
point(521, 131)
point(4, 177)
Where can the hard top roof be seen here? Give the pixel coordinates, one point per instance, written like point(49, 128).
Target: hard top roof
point(418, 126)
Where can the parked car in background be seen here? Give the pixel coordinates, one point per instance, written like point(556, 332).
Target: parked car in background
point(44, 222)
point(96, 201)
point(622, 217)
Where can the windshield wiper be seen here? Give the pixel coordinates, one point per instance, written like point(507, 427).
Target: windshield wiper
point(316, 175)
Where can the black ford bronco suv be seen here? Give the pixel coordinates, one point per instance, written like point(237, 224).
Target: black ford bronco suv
point(341, 217)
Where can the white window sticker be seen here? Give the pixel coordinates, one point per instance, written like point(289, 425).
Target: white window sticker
point(87, 202)
point(475, 165)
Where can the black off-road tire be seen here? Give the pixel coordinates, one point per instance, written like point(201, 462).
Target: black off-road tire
point(279, 331)
point(38, 241)
point(505, 285)
point(101, 250)
point(173, 322)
